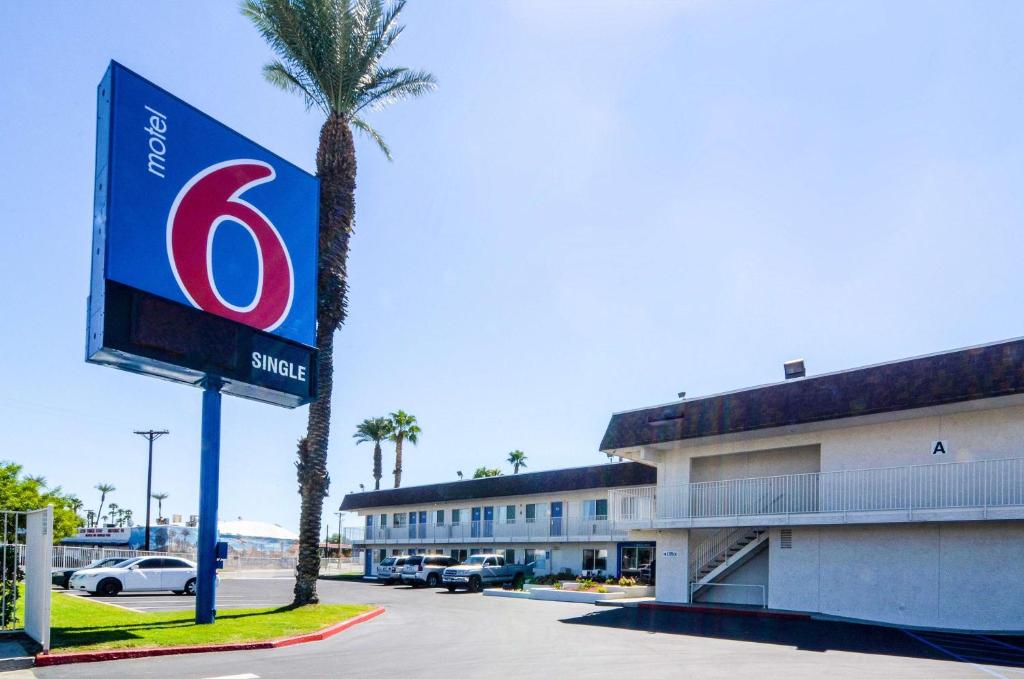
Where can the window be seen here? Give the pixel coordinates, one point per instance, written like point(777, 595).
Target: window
point(595, 559)
point(175, 563)
point(382, 554)
point(595, 510)
point(399, 520)
point(439, 519)
point(383, 520)
point(456, 516)
point(531, 513)
point(510, 514)
point(459, 555)
point(474, 551)
point(151, 563)
point(510, 556)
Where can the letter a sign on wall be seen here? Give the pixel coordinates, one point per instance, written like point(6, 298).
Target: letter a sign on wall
point(204, 250)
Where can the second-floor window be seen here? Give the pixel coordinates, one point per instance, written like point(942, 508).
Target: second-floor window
point(399, 520)
point(383, 520)
point(456, 516)
point(531, 513)
point(510, 514)
point(439, 519)
point(595, 510)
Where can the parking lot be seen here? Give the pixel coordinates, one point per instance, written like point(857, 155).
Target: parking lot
point(499, 637)
point(231, 593)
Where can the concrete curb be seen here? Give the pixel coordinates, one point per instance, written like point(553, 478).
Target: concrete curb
point(46, 660)
point(750, 613)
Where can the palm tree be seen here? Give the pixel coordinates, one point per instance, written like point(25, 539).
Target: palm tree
point(104, 488)
point(517, 459)
point(75, 504)
point(159, 497)
point(374, 429)
point(403, 428)
point(330, 52)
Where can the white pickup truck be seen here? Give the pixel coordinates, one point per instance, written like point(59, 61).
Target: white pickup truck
point(481, 570)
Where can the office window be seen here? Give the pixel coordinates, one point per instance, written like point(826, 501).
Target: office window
point(510, 556)
point(531, 513)
point(439, 520)
point(510, 514)
point(456, 516)
point(595, 559)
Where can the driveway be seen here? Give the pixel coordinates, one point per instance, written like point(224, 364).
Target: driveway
point(457, 634)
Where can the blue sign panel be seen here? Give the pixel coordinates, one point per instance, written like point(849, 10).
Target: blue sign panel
point(191, 213)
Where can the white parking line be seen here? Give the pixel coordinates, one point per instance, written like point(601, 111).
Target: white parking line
point(236, 676)
point(965, 647)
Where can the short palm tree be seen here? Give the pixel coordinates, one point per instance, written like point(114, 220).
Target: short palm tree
point(104, 488)
point(517, 459)
point(159, 497)
point(374, 429)
point(330, 53)
point(403, 428)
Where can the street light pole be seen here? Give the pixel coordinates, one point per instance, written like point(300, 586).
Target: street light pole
point(150, 436)
point(339, 540)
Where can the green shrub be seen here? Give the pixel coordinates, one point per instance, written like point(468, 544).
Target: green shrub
point(627, 582)
point(602, 590)
point(586, 584)
point(557, 585)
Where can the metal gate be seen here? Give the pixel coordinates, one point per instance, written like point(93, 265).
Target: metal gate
point(26, 546)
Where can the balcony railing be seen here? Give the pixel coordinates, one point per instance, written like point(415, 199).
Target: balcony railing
point(555, 529)
point(982, 484)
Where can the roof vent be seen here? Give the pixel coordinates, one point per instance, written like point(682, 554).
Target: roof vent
point(794, 368)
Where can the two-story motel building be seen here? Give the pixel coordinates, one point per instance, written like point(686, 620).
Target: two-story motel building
point(557, 520)
point(890, 493)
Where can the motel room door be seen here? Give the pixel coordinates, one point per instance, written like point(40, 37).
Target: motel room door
point(556, 518)
point(474, 522)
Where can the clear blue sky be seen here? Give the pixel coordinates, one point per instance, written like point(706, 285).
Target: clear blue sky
point(602, 205)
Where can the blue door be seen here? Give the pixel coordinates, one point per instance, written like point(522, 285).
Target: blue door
point(488, 522)
point(368, 560)
point(423, 525)
point(556, 518)
point(474, 523)
point(412, 524)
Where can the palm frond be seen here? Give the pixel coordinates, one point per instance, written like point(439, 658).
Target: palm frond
point(373, 134)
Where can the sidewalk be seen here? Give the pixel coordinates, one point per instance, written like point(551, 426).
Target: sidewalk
point(14, 653)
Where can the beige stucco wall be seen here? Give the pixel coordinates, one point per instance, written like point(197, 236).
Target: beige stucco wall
point(751, 464)
point(973, 434)
point(948, 575)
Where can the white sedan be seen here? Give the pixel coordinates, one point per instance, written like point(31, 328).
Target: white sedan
point(141, 574)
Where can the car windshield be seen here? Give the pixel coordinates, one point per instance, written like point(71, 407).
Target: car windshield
point(475, 560)
point(127, 562)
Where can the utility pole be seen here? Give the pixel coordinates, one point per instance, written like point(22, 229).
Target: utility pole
point(150, 436)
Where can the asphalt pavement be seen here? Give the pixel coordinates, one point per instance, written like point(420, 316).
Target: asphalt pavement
point(463, 634)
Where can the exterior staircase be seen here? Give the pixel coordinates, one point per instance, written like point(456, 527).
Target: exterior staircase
point(723, 551)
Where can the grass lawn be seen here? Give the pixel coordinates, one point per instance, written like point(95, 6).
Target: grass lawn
point(78, 624)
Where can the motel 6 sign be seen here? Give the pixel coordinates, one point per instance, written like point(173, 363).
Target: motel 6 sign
point(204, 250)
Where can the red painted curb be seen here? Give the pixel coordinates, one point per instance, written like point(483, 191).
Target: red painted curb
point(122, 654)
point(692, 608)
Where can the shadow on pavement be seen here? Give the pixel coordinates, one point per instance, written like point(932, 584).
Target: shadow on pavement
point(805, 635)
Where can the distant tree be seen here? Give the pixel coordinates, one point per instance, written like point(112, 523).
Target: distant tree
point(517, 459)
point(126, 518)
point(25, 493)
point(374, 429)
point(75, 504)
point(403, 428)
point(90, 517)
point(485, 472)
point(160, 497)
point(104, 488)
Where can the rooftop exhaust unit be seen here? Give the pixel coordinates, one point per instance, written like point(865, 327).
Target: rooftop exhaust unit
point(794, 368)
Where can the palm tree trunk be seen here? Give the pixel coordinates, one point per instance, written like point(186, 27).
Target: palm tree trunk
point(398, 462)
point(336, 168)
point(378, 462)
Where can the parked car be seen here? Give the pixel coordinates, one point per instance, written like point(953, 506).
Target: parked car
point(393, 575)
point(61, 577)
point(142, 574)
point(481, 570)
point(426, 570)
point(385, 569)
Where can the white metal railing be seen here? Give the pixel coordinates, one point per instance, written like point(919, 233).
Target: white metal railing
point(949, 485)
point(762, 592)
point(712, 547)
point(554, 529)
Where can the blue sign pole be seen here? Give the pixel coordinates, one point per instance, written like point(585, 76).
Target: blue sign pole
point(209, 487)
